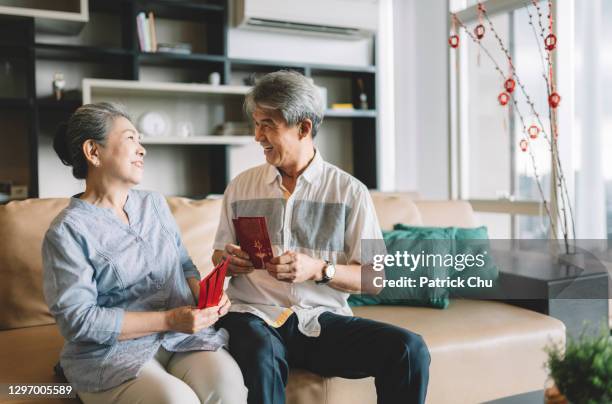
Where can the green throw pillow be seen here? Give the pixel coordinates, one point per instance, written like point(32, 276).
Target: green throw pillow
point(439, 241)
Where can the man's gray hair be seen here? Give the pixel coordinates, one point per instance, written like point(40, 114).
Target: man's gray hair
point(289, 92)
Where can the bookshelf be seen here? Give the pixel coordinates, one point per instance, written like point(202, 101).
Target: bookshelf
point(102, 60)
point(64, 16)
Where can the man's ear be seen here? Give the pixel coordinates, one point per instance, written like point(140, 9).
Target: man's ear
point(305, 128)
point(91, 150)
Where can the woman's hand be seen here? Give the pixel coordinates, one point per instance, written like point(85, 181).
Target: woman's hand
point(190, 320)
point(224, 305)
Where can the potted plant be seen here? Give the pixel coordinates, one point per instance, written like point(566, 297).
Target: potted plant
point(582, 370)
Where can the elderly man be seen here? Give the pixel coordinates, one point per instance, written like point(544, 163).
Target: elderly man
point(294, 312)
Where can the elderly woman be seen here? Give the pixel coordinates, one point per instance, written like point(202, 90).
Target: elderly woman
point(120, 283)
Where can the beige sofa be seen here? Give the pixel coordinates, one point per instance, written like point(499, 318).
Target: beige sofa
point(480, 350)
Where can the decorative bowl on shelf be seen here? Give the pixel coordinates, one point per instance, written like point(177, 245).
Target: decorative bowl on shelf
point(154, 124)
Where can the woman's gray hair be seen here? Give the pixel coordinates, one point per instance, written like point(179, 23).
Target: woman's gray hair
point(90, 121)
point(289, 92)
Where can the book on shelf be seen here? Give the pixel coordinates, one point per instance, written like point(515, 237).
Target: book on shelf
point(342, 106)
point(141, 24)
point(152, 33)
point(179, 48)
point(147, 36)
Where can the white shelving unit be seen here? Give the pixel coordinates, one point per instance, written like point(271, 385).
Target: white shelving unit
point(199, 140)
point(178, 165)
point(66, 17)
point(350, 113)
point(203, 106)
point(95, 88)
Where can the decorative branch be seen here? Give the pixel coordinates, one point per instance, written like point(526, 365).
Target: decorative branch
point(499, 70)
point(549, 86)
point(553, 99)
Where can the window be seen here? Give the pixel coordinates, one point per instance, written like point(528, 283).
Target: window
point(585, 106)
point(493, 172)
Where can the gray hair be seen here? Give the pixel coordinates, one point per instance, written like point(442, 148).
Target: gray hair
point(289, 92)
point(90, 121)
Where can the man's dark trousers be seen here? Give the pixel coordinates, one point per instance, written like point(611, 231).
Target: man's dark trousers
point(349, 347)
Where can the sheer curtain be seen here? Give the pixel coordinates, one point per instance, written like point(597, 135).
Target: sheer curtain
point(593, 123)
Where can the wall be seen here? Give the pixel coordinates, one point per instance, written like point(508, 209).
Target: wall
point(334, 136)
point(421, 97)
point(414, 124)
point(334, 139)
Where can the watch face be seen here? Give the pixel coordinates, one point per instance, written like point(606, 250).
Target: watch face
point(330, 271)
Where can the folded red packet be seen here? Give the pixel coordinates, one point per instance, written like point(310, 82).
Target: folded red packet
point(211, 287)
point(252, 233)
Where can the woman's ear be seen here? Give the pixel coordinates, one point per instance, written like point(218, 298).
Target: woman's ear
point(91, 151)
point(305, 128)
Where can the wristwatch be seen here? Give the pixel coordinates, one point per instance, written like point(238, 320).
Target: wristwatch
point(328, 273)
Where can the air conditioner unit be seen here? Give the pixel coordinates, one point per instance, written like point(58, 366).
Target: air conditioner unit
point(339, 18)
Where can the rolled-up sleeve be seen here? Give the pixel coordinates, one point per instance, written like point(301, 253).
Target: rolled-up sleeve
point(71, 292)
point(362, 227)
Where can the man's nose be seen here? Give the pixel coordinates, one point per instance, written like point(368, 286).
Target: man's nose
point(259, 134)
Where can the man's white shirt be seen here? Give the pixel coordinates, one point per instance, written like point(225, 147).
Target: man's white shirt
point(326, 217)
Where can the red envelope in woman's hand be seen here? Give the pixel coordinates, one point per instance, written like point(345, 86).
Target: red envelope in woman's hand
point(211, 287)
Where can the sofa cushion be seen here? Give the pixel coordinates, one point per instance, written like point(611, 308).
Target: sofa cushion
point(198, 221)
point(445, 213)
point(28, 355)
point(494, 345)
point(412, 239)
point(24, 224)
point(392, 208)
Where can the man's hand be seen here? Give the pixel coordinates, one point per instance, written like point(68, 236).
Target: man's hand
point(295, 267)
point(239, 260)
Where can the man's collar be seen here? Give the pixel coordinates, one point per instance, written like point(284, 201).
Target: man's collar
point(314, 169)
point(311, 173)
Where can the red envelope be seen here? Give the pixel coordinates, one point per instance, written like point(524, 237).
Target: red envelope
point(252, 233)
point(211, 287)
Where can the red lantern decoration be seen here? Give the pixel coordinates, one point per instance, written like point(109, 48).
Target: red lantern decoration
point(509, 85)
point(554, 99)
point(453, 41)
point(479, 31)
point(533, 131)
point(523, 144)
point(503, 98)
point(550, 42)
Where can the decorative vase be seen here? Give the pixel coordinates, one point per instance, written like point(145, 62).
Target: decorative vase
point(552, 395)
point(576, 259)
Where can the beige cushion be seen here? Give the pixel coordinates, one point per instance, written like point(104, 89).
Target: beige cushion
point(28, 356)
point(23, 225)
point(393, 208)
point(491, 345)
point(446, 213)
point(495, 346)
point(198, 221)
